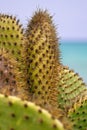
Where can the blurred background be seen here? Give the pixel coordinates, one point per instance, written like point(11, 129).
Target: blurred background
point(70, 19)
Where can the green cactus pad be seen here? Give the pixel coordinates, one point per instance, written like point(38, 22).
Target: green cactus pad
point(41, 57)
point(70, 87)
point(16, 114)
point(11, 35)
point(12, 42)
point(78, 115)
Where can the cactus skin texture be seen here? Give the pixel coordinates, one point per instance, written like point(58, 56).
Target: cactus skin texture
point(7, 76)
point(70, 87)
point(11, 35)
point(41, 58)
point(16, 114)
point(11, 77)
point(78, 114)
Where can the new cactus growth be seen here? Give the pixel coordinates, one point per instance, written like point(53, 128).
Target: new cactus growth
point(78, 114)
point(41, 57)
point(16, 114)
point(70, 87)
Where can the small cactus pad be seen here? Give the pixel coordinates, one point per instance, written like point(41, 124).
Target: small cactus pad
point(70, 87)
point(41, 57)
point(16, 114)
point(78, 115)
point(11, 35)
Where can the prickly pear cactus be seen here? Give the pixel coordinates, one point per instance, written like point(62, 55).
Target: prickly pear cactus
point(11, 35)
point(70, 87)
point(78, 114)
point(30, 68)
point(22, 115)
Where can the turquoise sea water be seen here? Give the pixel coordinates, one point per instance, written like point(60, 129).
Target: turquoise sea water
point(74, 55)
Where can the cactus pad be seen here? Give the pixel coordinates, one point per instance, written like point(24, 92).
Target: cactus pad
point(41, 58)
point(22, 115)
point(70, 87)
point(11, 35)
point(78, 114)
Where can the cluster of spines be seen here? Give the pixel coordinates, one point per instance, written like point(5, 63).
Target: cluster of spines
point(7, 76)
point(11, 35)
point(16, 114)
point(12, 77)
point(78, 114)
point(41, 57)
point(70, 87)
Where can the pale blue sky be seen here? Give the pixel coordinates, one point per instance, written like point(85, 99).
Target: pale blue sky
point(70, 16)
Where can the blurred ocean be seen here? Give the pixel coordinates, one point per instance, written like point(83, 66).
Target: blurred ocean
point(74, 55)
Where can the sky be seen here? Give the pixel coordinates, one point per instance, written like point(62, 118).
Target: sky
point(70, 16)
